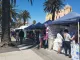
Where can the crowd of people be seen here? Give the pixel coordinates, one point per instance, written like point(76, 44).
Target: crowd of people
point(18, 35)
point(64, 41)
point(40, 37)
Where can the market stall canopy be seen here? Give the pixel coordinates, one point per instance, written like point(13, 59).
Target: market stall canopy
point(72, 17)
point(39, 26)
point(30, 27)
point(22, 27)
point(47, 22)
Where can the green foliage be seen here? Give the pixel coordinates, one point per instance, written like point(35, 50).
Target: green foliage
point(13, 12)
point(14, 2)
point(51, 6)
point(34, 21)
point(25, 15)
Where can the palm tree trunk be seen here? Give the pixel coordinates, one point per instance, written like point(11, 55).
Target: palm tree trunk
point(5, 21)
point(53, 15)
point(24, 21)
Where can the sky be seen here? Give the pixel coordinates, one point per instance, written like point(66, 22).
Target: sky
point(37, 10)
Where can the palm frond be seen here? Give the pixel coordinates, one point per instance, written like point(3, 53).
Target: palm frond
point(13, 2)
point(51, 5)
point(25, 15)
point(31, 1)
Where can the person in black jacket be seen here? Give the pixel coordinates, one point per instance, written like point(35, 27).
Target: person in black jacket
point(21, 35)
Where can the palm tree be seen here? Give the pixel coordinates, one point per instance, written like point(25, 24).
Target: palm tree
point(19, 23)
point(0, 9)
point(34, 21)
point(5, 21)
point(13, 12)
point(5, 38)
point(13, 15)
point(25, 15)
point(52, 5)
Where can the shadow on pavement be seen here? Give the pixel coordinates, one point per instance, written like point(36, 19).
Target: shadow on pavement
point(27, 44)
point(8, 49)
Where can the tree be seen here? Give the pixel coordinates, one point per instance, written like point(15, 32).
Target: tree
point(52, 5)
point(18, 23)
point(13, 13)
point(5, 38)
point(0, 9)
point(25, 15)
point(5, 21)
point(34, 21)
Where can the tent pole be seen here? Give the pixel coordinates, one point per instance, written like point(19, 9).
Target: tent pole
point(78, 32)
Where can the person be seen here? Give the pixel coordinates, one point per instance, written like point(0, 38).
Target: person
point(40, 38)
point(75, 37)
point(58, 42)
point(13, 33)
point(67, 42)
point(45, 39)
point(37, 37)
point(21, 35)
point(17, 36)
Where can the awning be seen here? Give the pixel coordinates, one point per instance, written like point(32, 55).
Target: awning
point(72, 17)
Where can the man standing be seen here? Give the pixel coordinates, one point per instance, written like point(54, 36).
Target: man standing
point(21, 35)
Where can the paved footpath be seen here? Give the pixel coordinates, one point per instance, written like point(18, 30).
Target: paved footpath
point(47, 54)
point(32, 54)
point(11, 53)
point(20, 55)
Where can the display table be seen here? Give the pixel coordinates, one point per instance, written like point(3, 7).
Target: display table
point(75, 51)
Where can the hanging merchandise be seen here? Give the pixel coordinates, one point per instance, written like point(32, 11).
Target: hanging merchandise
point(76, 52)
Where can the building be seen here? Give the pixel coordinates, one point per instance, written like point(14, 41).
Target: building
point(67, 9)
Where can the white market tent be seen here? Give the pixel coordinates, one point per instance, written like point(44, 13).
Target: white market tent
point(22, 27)
point(71, 18)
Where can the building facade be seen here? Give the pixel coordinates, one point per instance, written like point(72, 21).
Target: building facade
point(67, 9)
